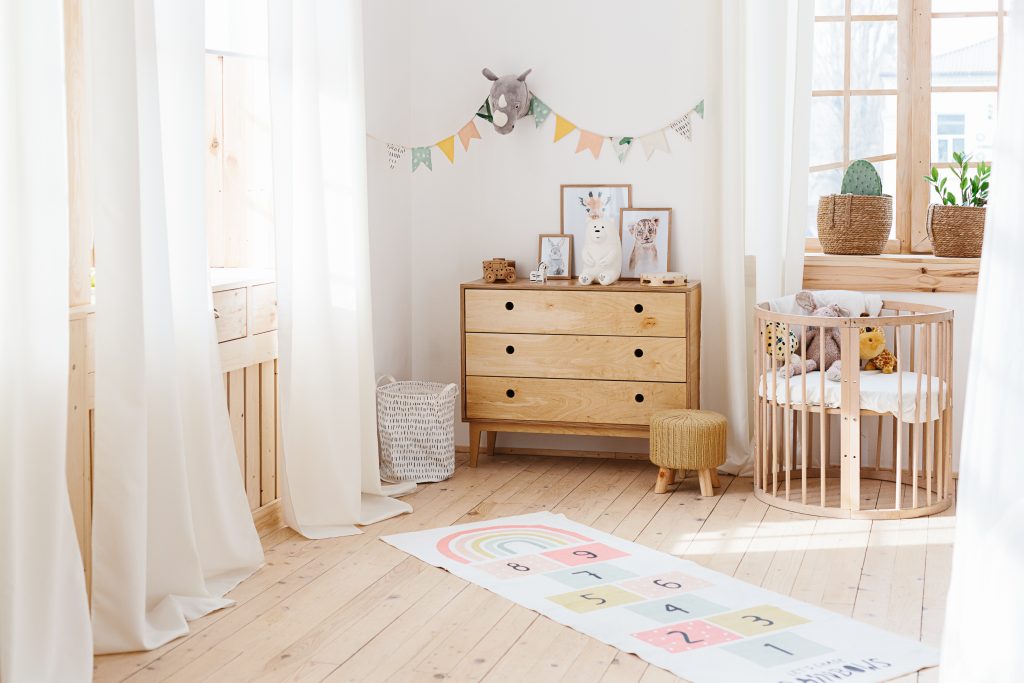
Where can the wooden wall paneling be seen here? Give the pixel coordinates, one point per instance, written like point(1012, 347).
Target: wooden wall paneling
point(79, 460)
point(921, 111)
point(215, 160)
point(236, 245)
point(279, 451)
point(252, 435)
point(268, 434)
point(236, 413)
point(80, 217)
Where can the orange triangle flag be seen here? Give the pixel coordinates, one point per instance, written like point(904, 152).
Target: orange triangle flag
point(590, 141)
point(447, 147)
point(562, 127)
point(467, 133)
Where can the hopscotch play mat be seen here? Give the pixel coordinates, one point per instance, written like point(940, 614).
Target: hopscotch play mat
point(699, 624)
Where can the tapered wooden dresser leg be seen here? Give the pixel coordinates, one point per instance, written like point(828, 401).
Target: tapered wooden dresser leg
point(474, 444)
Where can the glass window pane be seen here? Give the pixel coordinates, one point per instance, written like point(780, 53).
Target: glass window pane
point(977, 113)
point(873, 7)
point(873, 54)
point(965, 51)
point(825, 8)
point(827, 70)
point(872, 126)
point(820, 183)
point(826, 130)
point(964, 5)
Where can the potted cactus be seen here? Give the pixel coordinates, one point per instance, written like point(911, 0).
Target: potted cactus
point(957, 230)
point(859, 219)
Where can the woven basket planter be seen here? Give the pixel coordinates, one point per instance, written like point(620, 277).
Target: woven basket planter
point(854, 224)
point(956, 231)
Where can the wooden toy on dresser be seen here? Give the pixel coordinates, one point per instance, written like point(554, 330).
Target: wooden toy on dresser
point(562, 358)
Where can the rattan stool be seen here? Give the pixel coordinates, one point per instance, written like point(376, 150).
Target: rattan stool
point(688, 440)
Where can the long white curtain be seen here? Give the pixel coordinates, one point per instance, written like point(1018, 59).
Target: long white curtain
point(44, 616)
point(984, 634)
point(172, 531)
point(764, 109)
point(331, 478)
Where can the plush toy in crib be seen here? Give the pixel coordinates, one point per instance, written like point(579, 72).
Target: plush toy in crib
point(873, 351)
point(819, 346)
point(778, 341)
point(602, 253)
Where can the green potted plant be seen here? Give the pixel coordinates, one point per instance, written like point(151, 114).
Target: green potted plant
point(957, 230)
point(859, 219)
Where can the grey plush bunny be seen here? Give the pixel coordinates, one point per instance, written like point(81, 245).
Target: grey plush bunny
point(509, 100)
point(828, 343)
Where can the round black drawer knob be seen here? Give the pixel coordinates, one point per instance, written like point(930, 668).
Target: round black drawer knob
point(509, 305)
point(639, 308)
point(639, 398)
point(639, 353)
point(511, 393)
point(510, 349)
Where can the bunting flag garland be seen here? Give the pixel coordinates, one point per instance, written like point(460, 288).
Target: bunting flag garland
point(395, 154)
point(683, 127)
point(621, 147)
point(421, 155)
point(539, 110)
point(467, 133)
point(447, 147)
point(562, 128)
point(652, 142)
point(589, 141)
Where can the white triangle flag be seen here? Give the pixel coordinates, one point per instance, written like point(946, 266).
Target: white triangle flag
point(653, 142)
point(395, 154)
point(683, 127)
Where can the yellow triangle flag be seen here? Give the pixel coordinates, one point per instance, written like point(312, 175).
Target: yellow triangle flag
point(447, 146)
point(562, 127)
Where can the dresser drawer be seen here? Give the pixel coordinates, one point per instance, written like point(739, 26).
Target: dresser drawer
point(229, 314)
point(646, 314)
point(264, 308)
point(569, 400)
point(576, 357)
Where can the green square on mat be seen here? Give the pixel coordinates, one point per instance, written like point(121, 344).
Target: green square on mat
point(590, 575)
point(671, 610)
point(777, 649)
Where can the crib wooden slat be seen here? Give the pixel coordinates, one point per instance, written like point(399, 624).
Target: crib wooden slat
point(915, 449)
point(787, 413)
point(803, 420)
point(823, 416)
point(898, 457)
point(929, 431)
point(775, 426)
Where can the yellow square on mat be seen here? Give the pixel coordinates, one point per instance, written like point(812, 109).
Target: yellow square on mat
point(754, 621)
point(595, 598)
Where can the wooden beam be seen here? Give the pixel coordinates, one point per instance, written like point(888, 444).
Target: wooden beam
point(79, 214)
point(891, 273)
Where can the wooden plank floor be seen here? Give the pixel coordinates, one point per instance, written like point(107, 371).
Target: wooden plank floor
point(356, 609)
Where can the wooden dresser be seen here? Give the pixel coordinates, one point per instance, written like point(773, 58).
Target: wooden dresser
point(561, 358)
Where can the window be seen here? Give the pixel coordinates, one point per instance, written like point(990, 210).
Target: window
point(867, 98)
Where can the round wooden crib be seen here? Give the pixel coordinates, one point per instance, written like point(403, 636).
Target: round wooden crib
point(871, 445)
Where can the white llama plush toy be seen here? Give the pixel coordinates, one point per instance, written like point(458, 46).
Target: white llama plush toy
point(602, 253)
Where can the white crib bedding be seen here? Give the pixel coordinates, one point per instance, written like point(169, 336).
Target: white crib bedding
point(878, 392)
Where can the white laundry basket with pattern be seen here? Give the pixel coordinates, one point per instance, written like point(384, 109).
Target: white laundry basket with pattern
point(416, 429)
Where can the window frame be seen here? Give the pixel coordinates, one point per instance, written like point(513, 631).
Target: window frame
point(913, 93)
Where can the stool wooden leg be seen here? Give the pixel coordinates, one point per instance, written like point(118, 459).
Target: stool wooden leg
point(714, 478)
point(683, 473)
point(492, 440)
point(706, 489)
point(665, 478)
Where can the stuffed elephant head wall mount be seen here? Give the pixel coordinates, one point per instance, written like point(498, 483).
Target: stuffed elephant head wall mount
point(509, 100)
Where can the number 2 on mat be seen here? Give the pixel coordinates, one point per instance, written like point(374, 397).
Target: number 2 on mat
point(685, 636)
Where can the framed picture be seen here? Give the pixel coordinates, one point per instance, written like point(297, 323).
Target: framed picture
point(556, 251)
point(580, 201)
point(646, 235)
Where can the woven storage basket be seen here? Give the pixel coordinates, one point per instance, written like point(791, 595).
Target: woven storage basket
point(416, 428)
point(854, 224)
point(956, 231)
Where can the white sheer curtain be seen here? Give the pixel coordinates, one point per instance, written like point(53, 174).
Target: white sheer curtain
point(763, 112)
point(44, 616)
point(331, 478)
point(172, 531)
point(983, 632)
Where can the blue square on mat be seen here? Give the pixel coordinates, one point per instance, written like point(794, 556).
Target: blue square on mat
point(777, 649)
point(678, 608)
point(590, 575)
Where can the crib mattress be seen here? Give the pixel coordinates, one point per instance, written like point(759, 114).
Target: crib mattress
point(878, 392)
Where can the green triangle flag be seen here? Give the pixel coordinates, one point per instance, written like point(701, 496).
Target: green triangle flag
point(539, 110)
point(484, 111)
point(700, 109)
point(421, 155)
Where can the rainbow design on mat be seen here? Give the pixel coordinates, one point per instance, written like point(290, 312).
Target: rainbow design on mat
point(488, 543)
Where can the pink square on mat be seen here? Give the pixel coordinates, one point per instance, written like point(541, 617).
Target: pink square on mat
point(664, 585)
point(688, 635)
point(585, 554)
point(519, 567)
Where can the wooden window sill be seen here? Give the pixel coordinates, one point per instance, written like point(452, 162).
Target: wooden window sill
point(891, 273)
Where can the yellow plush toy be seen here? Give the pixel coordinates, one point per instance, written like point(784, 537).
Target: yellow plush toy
point(872, 350)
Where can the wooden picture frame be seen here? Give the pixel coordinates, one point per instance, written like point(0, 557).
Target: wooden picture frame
point(573, 215)
point(656, 257)
point(553, 271)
